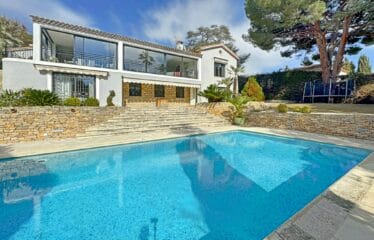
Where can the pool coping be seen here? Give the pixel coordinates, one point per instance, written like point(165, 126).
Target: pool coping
point(345, 208)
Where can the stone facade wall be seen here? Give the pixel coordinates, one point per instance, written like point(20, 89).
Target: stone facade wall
point(148, 95)
point(40, 123)
point(339, 124)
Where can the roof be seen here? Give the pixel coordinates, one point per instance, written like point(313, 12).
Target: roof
point(99, 33)
point(217, 45)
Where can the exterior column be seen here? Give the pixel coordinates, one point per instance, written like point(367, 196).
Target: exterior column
point(120, 56)
point(36, 42)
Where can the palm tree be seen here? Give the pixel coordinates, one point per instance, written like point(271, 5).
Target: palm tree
point(227, 82)
point(235, 72)
point(146, 59)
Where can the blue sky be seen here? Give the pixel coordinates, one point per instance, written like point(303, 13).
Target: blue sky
point(162, 21)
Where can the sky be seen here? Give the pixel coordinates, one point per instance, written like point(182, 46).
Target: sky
point(160, 21)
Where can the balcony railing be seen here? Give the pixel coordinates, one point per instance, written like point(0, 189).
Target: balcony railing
point(22, 52)
point(81, 59)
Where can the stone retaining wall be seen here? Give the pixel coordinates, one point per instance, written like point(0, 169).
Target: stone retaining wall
point(22, 124)
point(339, 124)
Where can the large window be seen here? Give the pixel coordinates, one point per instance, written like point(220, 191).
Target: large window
point(219, 69)
point(143, 60)
point(189, 68)
point(159, 91)
point(73, 85)
point(180, 92)
point(135, 90)
point(73, 49)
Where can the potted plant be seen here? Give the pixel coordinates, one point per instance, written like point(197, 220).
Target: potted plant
point(238, 103)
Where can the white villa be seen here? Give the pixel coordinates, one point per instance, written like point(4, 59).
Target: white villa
point(75, 61)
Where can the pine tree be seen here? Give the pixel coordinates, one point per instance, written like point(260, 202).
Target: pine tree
point(333, 27)
point(364, 66)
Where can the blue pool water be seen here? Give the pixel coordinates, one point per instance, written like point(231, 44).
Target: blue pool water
point(232, 185)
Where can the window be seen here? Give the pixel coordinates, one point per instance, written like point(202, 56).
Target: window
point(159, 91)
point(156, 63)
point(173, 66)
point(189, 68)
point(219, 69)
point(143, 60)
point(68, 48)
point(73, 85)
point(135, 90)
point(180, 92)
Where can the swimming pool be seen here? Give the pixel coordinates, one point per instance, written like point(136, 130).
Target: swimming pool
point(232, 185)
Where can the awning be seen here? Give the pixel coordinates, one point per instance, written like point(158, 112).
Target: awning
point(50, 68)
point(131, 80)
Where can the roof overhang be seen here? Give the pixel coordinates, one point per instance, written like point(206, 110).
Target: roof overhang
point(49, 68)
point(152, 82)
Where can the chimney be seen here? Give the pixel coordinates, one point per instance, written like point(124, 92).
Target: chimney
point(180, 46)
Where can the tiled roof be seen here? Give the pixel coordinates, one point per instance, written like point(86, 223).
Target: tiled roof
point(217, 45)
point(113, 36)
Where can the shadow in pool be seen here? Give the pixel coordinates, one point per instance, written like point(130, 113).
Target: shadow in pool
point(23, 183)
point(145, 232)
point(236, 207)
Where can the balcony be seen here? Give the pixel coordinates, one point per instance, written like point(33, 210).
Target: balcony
point(80, 58)
point(21, 52)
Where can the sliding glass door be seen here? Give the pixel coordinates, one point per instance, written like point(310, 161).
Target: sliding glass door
point(73, 85)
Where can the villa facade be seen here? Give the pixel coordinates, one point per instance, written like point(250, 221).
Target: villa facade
point(75, 61)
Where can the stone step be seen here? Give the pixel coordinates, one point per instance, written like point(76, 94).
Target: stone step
point(166, 118)
point(143, 130)
point(155, 124)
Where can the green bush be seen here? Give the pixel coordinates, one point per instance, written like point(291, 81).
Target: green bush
point(213, 93)
point(10, 98)
point(239, 103)
point(284, 85)
point(35, 97)
point(306, 109)
point(253, 90)
point(72, 101)
point(282, 108)
point(91, 102)
point(109, 99)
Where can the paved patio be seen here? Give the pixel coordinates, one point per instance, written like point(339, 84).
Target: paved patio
point(344, 211)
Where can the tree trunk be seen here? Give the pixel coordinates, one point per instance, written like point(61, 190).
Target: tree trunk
point(235, 85)
point(322, 48)
point(339, 56)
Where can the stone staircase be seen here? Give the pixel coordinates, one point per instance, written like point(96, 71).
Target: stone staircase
point(151, 119)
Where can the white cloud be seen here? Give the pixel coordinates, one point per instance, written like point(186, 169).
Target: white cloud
point(171, 22)
point(54, 9)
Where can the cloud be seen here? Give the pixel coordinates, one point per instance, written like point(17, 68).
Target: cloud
point(21, 9)
point(171, 22)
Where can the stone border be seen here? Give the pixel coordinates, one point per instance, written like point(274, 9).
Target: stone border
point(344, 209)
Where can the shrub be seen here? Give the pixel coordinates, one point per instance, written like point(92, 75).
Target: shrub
point(72, 101)
point(91, 102)
point(35, 97)
point(109, 99)
point(306, 109)
point(239, 103)
point(213, 93)
point(282, 108)
point(10, 98)
point(253, 90)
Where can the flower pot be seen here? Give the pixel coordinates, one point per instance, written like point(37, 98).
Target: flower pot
point(239, 121)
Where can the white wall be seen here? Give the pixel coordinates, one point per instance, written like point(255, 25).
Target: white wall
point(112, 82)
point(207, 62)
point(22, 74)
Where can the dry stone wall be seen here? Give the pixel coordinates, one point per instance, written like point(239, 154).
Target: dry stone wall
point(40, 123)
point(352, 125)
